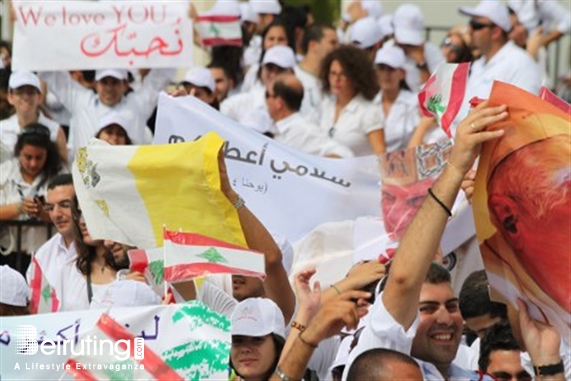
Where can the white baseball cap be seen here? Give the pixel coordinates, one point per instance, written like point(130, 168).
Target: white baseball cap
point(392, 56)
point(365, 33)
point(115, 73)
point(386, 24)
point(114, 117)
point(225, 7)
point(374, 8)
point(247, 13)
point(408, 24)
point(126, 293)
point(280, 55)
point(24, 78)
point(257, 317)
point(200, 77)
point(496, 11)
point(14, 290)
point(271, 7)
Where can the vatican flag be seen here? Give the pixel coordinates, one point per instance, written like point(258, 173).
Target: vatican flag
point(129, 193)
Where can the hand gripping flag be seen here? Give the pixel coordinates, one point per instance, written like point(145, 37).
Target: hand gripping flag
point(190, 255)
point(443, 93)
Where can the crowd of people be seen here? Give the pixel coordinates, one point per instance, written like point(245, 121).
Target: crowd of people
point(334, 91)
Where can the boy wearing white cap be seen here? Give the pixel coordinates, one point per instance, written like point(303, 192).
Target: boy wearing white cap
point(14, 292)
point(25, 94)
point(114, 129)
point(422, 57)
point(87, 108)
point(199, 82)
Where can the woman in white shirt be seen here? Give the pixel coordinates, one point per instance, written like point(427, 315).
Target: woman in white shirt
point(348, 114)
point(397, 104)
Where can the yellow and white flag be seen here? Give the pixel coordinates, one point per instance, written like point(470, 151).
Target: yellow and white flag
point(128, 193)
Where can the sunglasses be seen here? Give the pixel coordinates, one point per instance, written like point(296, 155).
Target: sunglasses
point(36, 130)
point(447, 43)
point(475, 25)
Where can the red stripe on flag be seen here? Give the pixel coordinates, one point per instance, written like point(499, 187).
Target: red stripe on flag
point(153, 363)
point(195, 270)
point(423, 95)
point(457, 91)
point(138, 260)
point(78, 372)
point(192, 239)
point(36, 285)
point(218, 18)
point(216, 41)
point(55, 301)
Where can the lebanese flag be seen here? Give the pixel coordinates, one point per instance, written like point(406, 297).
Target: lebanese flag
point(443, 93)
point(139, 363)
point(549, 96)
point(215, 30)
point(44, 298)
point(189, 256)
point(151, 263)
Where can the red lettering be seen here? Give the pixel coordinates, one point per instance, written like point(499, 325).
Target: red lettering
point(50, 20)
point(99, 18)
point(154, 19)
point(74, 19)
point(31, 15)
point(63, 16)
point(130, 13)
point(118, 13)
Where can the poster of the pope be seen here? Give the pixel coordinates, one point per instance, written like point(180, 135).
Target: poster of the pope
point(522, 207)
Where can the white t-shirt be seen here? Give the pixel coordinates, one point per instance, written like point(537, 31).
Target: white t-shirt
point(312, 93)
point(73, 296)
point(359, 118)
point(401, 121)
point(249, 109)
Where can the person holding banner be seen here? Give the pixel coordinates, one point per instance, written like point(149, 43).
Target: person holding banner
point(348, 114)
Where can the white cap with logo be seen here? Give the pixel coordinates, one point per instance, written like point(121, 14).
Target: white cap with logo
point(257, 317)
point(14, 290)
point(120, 74)
point(365, 33)
point(280, 55)
point(494, 10)
point(408, 24)
point(126, 293)
point(271, 7)
point(24, 78)
point(200, 77)
point(392, 56)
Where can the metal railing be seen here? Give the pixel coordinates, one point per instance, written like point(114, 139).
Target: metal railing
point(19, 225)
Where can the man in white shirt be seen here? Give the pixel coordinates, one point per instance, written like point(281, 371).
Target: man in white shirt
point(284, 97)
point(318, 41)
point(60, 249)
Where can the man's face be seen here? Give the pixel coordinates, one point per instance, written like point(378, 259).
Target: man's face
point(271, 101)
point(110, 90)
point(480, 324)
point(25, 99)
point(58, 205)
point(222, 83)
point(440, 329)
point(327, 44)
point(32, 160)
point(119, 252)
point(506, 365)
point(481, 29)
point(400, 204)
point(246, 287)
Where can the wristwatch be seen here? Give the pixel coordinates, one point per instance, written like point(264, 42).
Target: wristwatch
point(549, 370)
point(282, 375)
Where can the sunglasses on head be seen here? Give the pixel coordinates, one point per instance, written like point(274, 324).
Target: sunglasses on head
point(475, 25)
point(447, 43)
point(36, 130)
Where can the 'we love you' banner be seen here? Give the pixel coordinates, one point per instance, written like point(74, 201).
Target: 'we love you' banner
point(70, 35)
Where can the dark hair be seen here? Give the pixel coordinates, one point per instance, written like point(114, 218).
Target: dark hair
point(88, 75)
point(38, 135)
point(437, 274)
point(465, 54)
point(294, 18)
point(279, 343)
point(356, 66)
point(313, 32)
point(221, 65)
point(276, 23)
point(291, 96)
point(85, 253)
point(9, 310)
point(60, 180)
point(128, 140)
point(475, 298)
point(372, 363)
point(498, 337)
point(7, 45)
point(229, 57)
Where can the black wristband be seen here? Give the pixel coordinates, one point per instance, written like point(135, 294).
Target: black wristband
point(549, 370)
point(439, 202)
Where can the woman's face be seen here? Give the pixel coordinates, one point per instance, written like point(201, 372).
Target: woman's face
point(275, 36)
point(114, 135)
point(389, 78)
point(452, 47)
point(87, 239)
point(25, 99)
point(253, 357)
point(32, 160)
point(338, 80)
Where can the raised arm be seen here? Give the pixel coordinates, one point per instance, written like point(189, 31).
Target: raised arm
point(421, 240)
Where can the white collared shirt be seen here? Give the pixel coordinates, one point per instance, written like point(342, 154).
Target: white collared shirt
point(295, 131)
point(10, 129)
point(359, 118)
point(312, 93)
point(401, 121)
point(249, 109)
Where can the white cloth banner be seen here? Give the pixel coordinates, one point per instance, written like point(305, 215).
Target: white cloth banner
point(291, 192)
point(190, 338)
point(101, 34)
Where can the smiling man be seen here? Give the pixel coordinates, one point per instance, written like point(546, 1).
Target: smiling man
point(53, 254)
